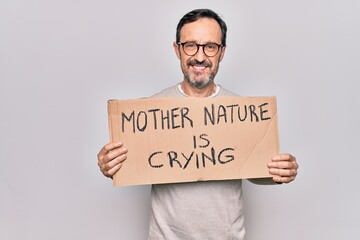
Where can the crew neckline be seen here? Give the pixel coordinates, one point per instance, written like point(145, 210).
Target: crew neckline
point(217, 91)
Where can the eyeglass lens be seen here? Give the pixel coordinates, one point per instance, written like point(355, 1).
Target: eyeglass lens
point(210, 49)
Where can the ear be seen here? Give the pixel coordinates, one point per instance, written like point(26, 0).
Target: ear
point(177, 49)
point(222, 53)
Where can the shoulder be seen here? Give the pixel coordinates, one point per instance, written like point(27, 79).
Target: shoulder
point(168, 92)
point(225, 92)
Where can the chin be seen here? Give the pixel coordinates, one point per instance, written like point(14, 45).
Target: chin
point(200, 83)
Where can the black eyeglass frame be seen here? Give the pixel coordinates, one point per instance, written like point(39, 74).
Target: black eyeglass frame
point(198, 46)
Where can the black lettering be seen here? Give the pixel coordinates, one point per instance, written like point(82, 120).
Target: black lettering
point(124, 117)
point(165, 119)
point(221, 114)
point(154, 111)
point(239, 113)
point(203, 137)
point(229, 157)
point(197, 161)
point(173, 158)
point(211, 116)
point(262, 111)
point(187, 159)
point(141, 129)
point(253, 113)
point(232, 111)
point(150, 160)
point(173, 116)
point(184, 114)
point(212, 158)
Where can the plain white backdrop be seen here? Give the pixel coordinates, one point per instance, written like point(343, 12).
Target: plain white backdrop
point(60, 61)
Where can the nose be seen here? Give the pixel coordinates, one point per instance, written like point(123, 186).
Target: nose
point(200, 55)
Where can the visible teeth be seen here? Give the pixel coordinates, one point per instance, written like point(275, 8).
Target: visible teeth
point(199, 67)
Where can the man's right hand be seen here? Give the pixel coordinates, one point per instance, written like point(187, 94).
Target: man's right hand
point(110, 158)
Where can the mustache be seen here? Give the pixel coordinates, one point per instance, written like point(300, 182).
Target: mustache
point(193, 62)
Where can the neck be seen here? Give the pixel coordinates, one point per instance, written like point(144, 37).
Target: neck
point(196, 92)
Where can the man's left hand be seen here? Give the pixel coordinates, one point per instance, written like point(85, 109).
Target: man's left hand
point(283, 167)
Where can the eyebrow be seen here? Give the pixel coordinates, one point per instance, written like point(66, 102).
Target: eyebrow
point(201, 43)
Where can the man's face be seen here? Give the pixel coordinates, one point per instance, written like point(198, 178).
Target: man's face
point(199, 70)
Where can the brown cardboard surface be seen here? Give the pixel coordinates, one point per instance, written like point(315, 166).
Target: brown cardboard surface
point(194, 139)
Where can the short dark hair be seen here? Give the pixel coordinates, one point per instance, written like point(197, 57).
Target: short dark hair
point(202, 13)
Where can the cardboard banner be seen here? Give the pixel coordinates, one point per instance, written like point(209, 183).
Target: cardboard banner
point(194, 139)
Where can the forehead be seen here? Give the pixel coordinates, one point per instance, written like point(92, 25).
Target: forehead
point(203, 30)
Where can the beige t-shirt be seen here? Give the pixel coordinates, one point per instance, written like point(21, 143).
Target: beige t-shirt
point(199, 210)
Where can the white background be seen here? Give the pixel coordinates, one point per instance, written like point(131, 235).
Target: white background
point(60, 61)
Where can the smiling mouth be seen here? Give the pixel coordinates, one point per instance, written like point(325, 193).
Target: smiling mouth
point(199, 68)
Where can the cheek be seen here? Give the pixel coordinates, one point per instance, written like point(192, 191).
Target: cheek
point(184, 61)
point(215, 63)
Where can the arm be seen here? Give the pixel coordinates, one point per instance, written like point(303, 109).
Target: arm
point(111, 157)
point(284, 169)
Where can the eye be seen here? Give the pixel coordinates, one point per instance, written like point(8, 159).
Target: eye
point(211, 47)
point(190, 45)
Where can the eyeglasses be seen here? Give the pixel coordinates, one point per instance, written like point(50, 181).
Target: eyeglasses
point(209, 49)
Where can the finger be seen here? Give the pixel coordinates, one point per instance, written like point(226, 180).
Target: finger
point(283, 172)
point(283, 165)
point(283, 157)
point(279, 179)
point(115, 161)
point(113, 170)
point(109, 164)
point(108, 147)
point(114, 154)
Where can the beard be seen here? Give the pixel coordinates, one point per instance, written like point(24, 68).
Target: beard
point(196, 79)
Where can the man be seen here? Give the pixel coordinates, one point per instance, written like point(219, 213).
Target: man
point(201, 210)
